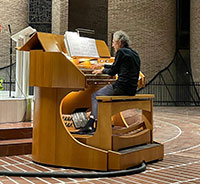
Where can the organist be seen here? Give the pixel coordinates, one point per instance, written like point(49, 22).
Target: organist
point(126, 66)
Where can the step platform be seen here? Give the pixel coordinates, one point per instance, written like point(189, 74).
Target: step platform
point(130, 157)
point(15, 138)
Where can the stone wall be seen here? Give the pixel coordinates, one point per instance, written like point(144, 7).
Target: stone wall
point(194, 39)
point(151, 25)
point(14, 13)
point(60, 16)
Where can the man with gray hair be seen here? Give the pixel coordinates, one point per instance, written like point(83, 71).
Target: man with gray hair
point(126, 66)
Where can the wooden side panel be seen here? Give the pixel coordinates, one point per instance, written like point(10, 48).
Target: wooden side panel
point(52, 142)
point(50, 69)
point(65, 73)
point(147, 117)
point(40, 69)
point(103, 136)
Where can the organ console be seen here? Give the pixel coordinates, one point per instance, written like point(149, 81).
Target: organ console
point(63, 86)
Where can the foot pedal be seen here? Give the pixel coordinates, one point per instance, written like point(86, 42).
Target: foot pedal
point(79, 119)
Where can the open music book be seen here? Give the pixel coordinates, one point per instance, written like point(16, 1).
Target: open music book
point(80, 46)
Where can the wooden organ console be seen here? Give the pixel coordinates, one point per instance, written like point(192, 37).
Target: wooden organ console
point(64, 85)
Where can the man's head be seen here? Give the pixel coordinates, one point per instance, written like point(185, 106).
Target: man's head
point(120, 39)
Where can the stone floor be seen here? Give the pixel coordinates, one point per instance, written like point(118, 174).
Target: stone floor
point(178, 128)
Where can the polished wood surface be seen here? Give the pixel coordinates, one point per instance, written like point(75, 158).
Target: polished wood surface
point(129, 140)
point(135, 156)
point(111, 105)
point(45, 41)
point(63, 86)
point(115, 98)
point(52, 142)
point(49, 69)
point(102, 49)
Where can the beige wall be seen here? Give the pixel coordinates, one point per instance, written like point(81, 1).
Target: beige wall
point(59, 16)
point(195, 39)
point(14, 13)
point(151, 25)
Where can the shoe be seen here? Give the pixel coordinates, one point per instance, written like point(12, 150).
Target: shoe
point(89, 132)
point(89, 126)
point(88, 129)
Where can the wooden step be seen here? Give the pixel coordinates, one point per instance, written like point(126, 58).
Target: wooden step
point(19, 130)
point(15, 147)
point(15, 138)
point(15, 133)
point(134, 156)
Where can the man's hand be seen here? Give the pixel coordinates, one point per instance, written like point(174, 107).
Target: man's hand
point(97, 66)
point(98, 71)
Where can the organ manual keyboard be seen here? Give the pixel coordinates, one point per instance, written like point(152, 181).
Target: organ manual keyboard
point(63, 86)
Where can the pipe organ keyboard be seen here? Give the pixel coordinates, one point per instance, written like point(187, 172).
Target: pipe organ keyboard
point(85, 66)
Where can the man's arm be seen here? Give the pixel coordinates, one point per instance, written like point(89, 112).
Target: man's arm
point(115, 67)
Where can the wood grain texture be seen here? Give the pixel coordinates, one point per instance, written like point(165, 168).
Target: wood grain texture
point(61, 88)
point(52, 142)
point(49, 69)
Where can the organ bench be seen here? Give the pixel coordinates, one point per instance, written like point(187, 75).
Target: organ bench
point(130, 145)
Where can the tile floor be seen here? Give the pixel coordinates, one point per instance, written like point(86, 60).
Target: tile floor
point(178, 128)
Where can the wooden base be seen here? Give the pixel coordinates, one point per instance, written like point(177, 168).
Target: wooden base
point(134, 156)
point(53, 144)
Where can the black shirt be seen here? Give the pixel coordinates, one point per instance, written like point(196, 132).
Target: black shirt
point(127, 66)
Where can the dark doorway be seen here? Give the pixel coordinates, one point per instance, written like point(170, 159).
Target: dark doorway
point(90, 15)
point(183, 24)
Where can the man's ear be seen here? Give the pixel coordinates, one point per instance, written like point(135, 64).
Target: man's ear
point(120, 43)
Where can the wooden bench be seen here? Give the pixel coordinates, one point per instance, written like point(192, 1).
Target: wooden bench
point(130, 145)
point(109, 112)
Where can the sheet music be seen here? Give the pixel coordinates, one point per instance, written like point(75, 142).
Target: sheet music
point(80, 46)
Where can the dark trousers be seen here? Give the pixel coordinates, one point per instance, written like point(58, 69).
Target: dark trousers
point(105, 91)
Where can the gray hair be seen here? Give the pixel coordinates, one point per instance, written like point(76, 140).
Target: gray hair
point(121, 36)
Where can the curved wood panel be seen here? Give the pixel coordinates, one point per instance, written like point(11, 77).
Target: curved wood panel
point(125, 141)
point(119, 120)
point(52, 142)
point(77, 100)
